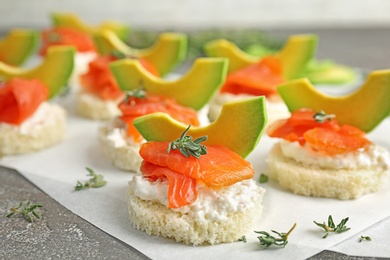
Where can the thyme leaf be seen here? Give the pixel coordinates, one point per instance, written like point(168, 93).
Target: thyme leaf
point(364, 238)
point(321, 117)
point(96, 181)
point(331, 227)
point(28, 211)
point(263, 178)
point(266, 239)
point(242, 239)
point(187, 146)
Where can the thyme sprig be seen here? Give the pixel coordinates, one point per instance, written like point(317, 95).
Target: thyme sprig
point(188, 147)
point(96, 181)
point(331, 227)
point(267, 240)
point(28, 211)
point(137, 93)
point(321, 117)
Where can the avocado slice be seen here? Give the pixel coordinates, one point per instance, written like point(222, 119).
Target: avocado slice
point(295, 54)
point(364, 108)
point(54, 71)
point(70, 20)
point(238, 59)
point(239, 126)
point(165, 54)
point(194, 89)
point(328, 72)
point(17, 46)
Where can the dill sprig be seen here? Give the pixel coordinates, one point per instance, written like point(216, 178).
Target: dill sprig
point(187, 146)
point(331, 226)
point(267, 240)
point(96, 181)
point(364, 238)
point(28, 211)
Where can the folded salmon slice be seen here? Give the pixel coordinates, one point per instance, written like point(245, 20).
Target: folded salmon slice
point(220, 167)
point(20, 98)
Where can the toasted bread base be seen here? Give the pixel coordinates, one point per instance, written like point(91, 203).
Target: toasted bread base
point(124, 157)
point(90, 106)
point(318, 182)
point(50, 131)
point(158, 220)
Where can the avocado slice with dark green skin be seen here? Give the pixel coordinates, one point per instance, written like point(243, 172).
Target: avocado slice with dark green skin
point(54, 71)
point(165, 54)
point(364, 108)
point(239, 126)
point(18, 45)
point(194, 89)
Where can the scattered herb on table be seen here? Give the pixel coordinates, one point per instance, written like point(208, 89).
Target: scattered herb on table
point(364, 238)
point(96, 181)
point(331, 227)
point(263, 178)
point(267, 240)
point(188, 147)
point(243, 239)
point(28, 211)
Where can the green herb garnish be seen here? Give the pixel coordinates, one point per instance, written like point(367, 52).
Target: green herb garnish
point(188, 147)
point(321, 117)
point(118, 54)
point(364, 238)
point(96, 181)
point(263, 178)
point(331, 227)
point(267, 240)
point(136, 93)
point(242, 239)
point(28, 211)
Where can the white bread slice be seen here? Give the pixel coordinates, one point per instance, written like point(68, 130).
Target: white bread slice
point(125, 157)
point(319, 182)
point(50, 129)
point(156, 219)
point(92, 107)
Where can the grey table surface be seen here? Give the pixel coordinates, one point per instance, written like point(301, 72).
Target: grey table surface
point(61, 234)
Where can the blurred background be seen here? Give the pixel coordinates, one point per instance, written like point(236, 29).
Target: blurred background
point(360, 28)
point(200, 14)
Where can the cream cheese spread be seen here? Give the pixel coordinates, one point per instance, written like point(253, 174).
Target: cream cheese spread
point(210, 204)
point(371, 156)
point(45, 114)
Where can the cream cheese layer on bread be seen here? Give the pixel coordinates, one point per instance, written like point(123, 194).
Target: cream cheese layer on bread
point(118, 147)
point(211, 204)
point(46, 127)
point(276, 109)
point(370, 156)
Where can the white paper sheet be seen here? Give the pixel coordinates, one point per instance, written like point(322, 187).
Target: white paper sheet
point(56, 170)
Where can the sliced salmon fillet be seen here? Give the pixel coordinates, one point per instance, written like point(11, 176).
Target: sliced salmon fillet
point(258, 79)
point(61, 36)
point(219, 167)
point(181, 188)
point(135, 107)
point(326, 136)
point(20, 98)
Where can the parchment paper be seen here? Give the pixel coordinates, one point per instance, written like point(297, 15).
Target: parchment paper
point(57, 169)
